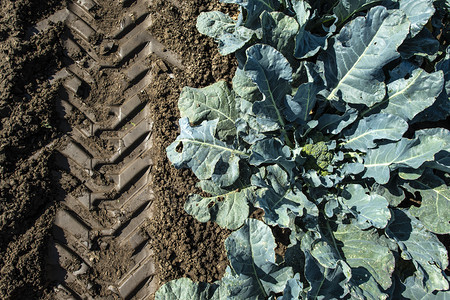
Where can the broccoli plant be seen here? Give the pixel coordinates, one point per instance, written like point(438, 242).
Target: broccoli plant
point(326, 129)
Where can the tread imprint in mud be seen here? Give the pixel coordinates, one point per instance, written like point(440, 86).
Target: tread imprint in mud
point(117, 182)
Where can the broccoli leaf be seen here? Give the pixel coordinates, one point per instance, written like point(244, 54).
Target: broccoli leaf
point(207, 156)
point(369, 210)
point(212, 102)
point(434, 212)
point(272, 151)
point(301, 105)
point(228, 208)
point(353, 66)
point(364, 258)
point(306, 43)
point(278, 199)
point(423, 248)
point(325, 283)
point(413, 290)
point(423, 44)
point(406, 152)
point(254, 8)
point(215, 24)
point(334, 123)
point(293, 289)
point(251, 254)
point(231, 42)
point(408, 97)
point(245, 87)
point(375, 127)
point(366, 253)
point(441, 107)
point(272, 74)
point(278, 31)
point(418, 12)
point(347, 8)
point(185, 288)
point(230, 36)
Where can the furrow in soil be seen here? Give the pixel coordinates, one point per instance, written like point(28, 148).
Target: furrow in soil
point(98, 244)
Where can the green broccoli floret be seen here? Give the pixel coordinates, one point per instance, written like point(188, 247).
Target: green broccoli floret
point(317, 156)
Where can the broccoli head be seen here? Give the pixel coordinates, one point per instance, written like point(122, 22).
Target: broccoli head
point(318, 157)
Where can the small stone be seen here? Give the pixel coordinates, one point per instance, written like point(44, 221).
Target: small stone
point(104, 245)
point(107, 47)
point(162, 65)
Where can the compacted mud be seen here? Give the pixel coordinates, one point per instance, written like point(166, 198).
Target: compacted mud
point(54, 95)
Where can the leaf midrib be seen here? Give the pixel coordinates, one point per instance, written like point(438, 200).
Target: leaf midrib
point(367, 133)
point(215, 109)
point(335, 90)
point(209, 145)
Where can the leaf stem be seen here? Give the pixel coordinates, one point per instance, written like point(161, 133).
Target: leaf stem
point(259, 281)
point(320, 286)
point(288, 140)
point(332, 237)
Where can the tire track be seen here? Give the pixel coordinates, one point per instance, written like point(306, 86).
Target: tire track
point(112, 199)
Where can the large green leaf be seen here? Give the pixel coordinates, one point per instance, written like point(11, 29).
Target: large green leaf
point(391, 191)
point(353, 66)
point(369, 209)
point(212, 102)
point(239, 286)
point(251, 254)
point(293, 289)
point(366, 252)
point(300, 106)
point(225, 30)
point(272, 74)
point(413, 290)
point(280, 201)
point(215, 24)
point(375, 127)
point(405, 153)
point(185, 288)
point(229, 209)
point(424, 44)
point(444, 65)
point(245, 87)
point(231, 42)
point(408, 97)
point(441, 107)
point(254, 8)
point(418, 12)
point(434, 211)
point(441, 162)
point(278, 31)
point(247, 126)
point(325, 283)
point(208, 157)
point(334, 123)
point(347, 8)
point(422, 247)
point(364, 257)
point(306, 43)
point(272, 151)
